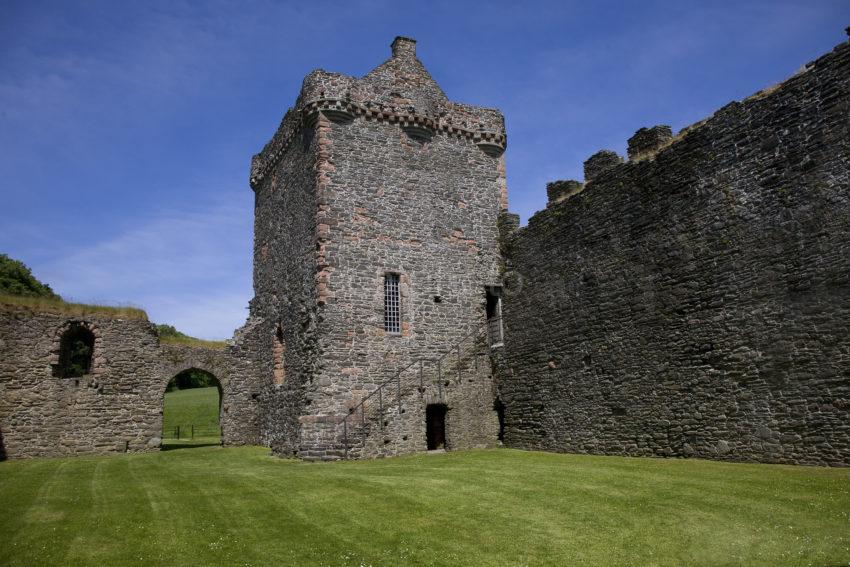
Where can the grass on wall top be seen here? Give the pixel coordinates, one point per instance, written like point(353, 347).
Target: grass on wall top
point(60, 307)
point(191, 341)
point(169, 335)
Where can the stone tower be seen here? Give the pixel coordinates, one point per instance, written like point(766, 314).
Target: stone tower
point(375, 247)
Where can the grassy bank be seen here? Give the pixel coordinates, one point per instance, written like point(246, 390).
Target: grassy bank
point(60, 307)
point(239, 506)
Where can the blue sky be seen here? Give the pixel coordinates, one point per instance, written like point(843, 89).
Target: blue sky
point(126, 128)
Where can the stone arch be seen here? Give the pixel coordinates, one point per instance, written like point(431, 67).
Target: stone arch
point(213, 361)
point(59, 352)
point(217, 380)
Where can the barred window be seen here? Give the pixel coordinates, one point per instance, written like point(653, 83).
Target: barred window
point(392, 304)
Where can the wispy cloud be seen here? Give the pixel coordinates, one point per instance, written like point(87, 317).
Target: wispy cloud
point(126, 128)
point(187, 268)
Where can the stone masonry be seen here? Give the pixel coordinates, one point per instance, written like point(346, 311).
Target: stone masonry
point(695, 300)
point(691, 301)
point(115, 407)
point(364, 178)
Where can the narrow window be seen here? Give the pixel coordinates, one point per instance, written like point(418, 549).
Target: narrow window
point(279, 354)
point(392, 304)
point(75, 352)
point(494, 315)
point(500, 414)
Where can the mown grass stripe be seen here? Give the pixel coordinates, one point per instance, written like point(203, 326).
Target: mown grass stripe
point(239, 506)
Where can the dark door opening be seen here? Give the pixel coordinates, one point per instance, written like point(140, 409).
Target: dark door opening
point(500, 412)
point(435, 426)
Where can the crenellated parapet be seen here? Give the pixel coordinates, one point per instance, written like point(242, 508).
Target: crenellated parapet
point(399, 91)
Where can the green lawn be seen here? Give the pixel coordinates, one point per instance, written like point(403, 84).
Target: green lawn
point(195, 406)
point(240, 506)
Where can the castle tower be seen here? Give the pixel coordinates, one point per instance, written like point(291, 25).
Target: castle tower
point(375, 247)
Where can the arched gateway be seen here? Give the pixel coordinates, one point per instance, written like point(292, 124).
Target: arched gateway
point(183, 365)
point(191, 409)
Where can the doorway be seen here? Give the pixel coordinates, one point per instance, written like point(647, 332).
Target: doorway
point(191, 410)
point(435, 426)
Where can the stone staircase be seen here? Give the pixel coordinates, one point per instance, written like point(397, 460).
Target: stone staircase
point(391, 419)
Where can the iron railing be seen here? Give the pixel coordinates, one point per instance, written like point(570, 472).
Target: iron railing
point(421, 362)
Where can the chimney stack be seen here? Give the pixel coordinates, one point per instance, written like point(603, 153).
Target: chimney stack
point(404, 47)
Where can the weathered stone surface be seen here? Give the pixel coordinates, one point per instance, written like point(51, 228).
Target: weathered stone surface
point(600, 162)
point(690, 302)
point(557, 191)
point(647, 141)
point(696, 303)
point(116, 407)
point(340, 203)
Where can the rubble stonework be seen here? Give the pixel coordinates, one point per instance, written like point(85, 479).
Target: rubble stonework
point(115, 407)
point(692, 301)
point(367, 177)
point(696, 302)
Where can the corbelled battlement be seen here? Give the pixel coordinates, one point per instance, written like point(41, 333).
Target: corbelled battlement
point(399, 91)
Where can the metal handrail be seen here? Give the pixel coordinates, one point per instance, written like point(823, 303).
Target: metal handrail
point(397, 378)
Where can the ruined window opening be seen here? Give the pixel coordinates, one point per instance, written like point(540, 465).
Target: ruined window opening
point(494, 316)
point(392, 304)
point(279, 357)
point(435, 426)
point(499, 407)
point(75, 352)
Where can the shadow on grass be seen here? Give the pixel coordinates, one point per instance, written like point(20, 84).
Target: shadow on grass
point(171, 444)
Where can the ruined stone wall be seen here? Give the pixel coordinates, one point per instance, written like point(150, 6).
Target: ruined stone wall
point(116, 406)
point(696, 302)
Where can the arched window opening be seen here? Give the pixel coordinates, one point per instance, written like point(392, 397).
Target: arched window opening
point(75, 352)
point(279, 354)
point(191, 410)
